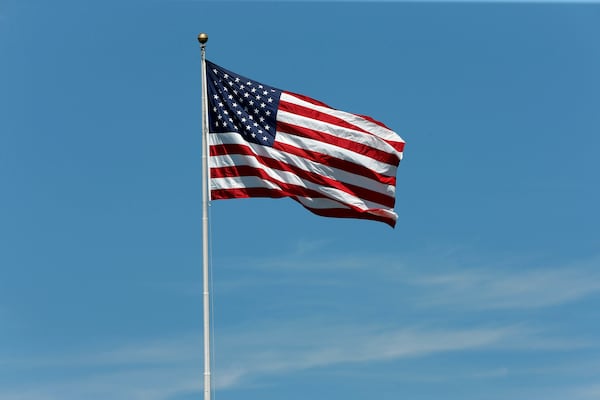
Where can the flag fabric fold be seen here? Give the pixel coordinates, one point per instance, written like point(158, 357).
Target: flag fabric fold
point(267, 142)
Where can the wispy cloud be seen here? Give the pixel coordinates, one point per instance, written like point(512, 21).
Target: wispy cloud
point(325, 346)
point(506, 288)
point(246, 354)
point(162, 369)
point(156, 370)
point(488, 283)
point(586, 392)
point(133, 384)
point(152, 353)
point(573, 391)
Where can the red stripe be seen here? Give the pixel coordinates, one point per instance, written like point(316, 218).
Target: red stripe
point(291, 189)
point(313, 156)
point(337, 163)
point(307, 99)
point(240, 193)
point(315, 178)
point(345, 213)
point(318, 115)
point(242, 170)
point(359, 148)
point(222, 194)
point(319, 103)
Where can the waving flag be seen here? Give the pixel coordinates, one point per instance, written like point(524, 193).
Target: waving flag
point(266, 142)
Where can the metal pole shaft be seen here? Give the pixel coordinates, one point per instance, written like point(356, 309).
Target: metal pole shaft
point(202, 38)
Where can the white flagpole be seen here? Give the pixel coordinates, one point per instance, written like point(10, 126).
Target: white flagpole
point(203, 38)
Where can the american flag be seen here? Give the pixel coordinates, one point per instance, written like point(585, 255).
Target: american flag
point(267, 142)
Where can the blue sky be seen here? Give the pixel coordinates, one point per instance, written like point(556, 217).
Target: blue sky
point(488, 288)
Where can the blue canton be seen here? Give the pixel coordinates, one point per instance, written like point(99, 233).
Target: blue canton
point(238, 104)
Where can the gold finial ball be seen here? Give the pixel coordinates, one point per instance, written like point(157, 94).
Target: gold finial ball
point(203, 38)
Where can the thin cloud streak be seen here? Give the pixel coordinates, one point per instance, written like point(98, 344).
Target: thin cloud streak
point(299, 347)
point(134, 384)
point(162, 369)
point(501, 289)
point(443, 283)
point(156, 353)
point(586, 392)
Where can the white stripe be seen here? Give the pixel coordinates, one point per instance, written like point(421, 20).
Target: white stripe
point(329, 204)
point(363, 123)
point(244, 182)
point(304, 164)
point(307, 144)
point(326, 204)
point(337, 131)
point(321, 204)
point(241, 182)
point(293, 179)
point(337, 152)
point(309, 202)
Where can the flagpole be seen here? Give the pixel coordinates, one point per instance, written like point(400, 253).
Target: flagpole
point(202, 39)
